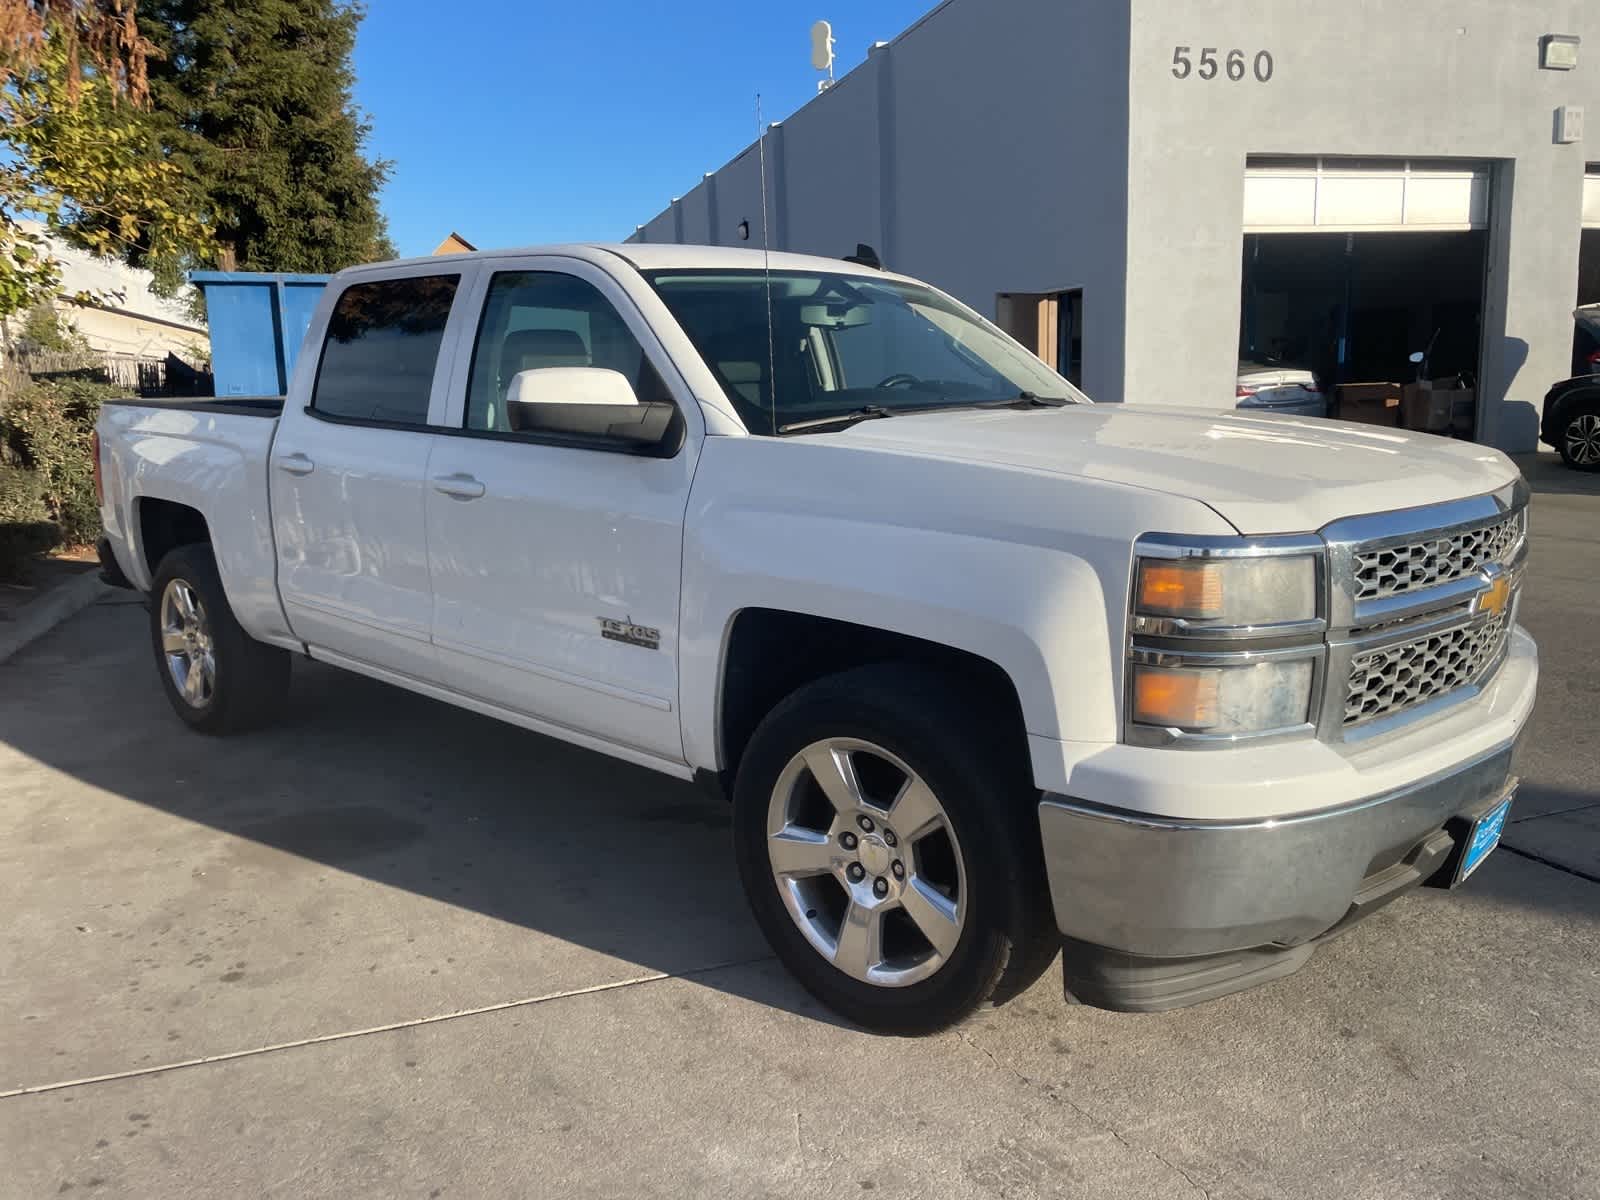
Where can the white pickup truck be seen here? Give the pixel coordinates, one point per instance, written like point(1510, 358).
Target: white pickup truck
point(985, 669)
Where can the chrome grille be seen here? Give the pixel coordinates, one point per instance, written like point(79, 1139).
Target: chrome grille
point(1387, 681)
point(1391, 570)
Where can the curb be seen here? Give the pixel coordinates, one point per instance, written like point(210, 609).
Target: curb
point(45, 613)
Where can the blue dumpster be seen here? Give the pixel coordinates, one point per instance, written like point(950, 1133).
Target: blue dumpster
point(257, 321)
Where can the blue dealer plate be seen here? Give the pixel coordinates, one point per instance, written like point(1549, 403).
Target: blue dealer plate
point(1485, 836)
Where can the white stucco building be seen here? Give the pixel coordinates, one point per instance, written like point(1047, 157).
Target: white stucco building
point(124, 318)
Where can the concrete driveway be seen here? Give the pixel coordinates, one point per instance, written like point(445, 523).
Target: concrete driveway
point(390, 948)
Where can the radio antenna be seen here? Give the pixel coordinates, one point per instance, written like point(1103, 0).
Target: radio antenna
point(766, 268)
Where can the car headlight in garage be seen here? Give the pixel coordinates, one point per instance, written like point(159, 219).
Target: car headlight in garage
point(1226, 640)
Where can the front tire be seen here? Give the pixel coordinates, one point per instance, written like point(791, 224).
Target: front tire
point(217, 677)
point(1580, 440)
point(887, 837)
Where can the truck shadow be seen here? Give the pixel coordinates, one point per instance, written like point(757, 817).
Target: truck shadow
point(412, 794)
point(416, 795)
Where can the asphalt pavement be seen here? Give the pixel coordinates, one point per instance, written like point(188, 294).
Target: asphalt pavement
point(391, 948)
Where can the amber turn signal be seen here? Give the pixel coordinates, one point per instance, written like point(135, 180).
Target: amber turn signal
point(1181, 588)
point(1175, 698)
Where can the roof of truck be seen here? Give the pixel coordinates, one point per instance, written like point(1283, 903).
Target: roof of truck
point(654, 256)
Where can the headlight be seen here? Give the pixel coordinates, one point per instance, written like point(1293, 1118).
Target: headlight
point(1228, 591)
point(1226, 638)
point(1224, 700)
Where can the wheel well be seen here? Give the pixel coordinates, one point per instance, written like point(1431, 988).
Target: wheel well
point(772, 654)
point(164, 525)
point(1580, 400)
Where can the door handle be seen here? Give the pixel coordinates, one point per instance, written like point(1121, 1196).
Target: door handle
point(296, 464)
point(458, 487)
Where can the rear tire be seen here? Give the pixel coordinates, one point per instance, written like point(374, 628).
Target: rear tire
point(932, 806)
point(218, 678)
point(1579, 439)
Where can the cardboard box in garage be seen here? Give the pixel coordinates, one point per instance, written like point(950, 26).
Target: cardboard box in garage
point(1369, 403)
point(1426, 406)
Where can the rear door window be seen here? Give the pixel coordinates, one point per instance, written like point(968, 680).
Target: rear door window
point(381, 350)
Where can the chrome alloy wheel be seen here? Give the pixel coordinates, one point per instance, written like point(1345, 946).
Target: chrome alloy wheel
point(186, 642)
point(1583, 439)
point(867, 862)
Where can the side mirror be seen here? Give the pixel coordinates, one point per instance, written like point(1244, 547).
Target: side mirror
point(569, 385)
point(591, 407)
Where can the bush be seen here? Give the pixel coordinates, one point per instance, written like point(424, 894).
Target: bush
point(25, 524)
point(47, 427)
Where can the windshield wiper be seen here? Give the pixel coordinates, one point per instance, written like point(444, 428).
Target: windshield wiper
point(867, 412)
point(1026, 400)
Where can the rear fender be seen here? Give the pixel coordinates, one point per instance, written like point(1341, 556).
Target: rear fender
point(214, 464)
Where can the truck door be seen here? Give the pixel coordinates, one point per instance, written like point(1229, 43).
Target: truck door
point(556, 549)
point(347, 475)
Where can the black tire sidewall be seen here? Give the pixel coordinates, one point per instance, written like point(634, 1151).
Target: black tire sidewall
point(196, 566)
point(1583, 409)
point(898, 711)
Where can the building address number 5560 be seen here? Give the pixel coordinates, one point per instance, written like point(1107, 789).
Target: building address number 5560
point(1234, 65)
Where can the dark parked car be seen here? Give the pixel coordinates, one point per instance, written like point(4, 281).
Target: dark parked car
point(1572, 409)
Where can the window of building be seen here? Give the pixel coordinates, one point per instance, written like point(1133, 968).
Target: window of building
point(381, 350)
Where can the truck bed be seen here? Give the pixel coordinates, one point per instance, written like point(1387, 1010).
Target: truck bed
point(238, 406)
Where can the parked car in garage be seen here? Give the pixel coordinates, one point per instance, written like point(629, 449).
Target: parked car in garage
point(1572, 409)
point(1268, 386)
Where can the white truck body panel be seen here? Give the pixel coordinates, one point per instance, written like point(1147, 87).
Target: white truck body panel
point(1004, 534)
point(216, 463)
point(1264, 473)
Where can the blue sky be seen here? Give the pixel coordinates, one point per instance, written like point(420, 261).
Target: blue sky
point(525, 121)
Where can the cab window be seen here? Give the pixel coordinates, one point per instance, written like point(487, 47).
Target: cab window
point(381, 350)
point(535, 320)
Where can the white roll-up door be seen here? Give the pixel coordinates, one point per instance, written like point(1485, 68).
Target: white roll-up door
point(1348, 195)
point(1591, 199)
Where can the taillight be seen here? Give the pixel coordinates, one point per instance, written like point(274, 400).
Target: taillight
point(99, 486)
point(1246, 389)
point(1594, 359)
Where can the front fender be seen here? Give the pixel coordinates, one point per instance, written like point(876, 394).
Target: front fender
point(1025, 570)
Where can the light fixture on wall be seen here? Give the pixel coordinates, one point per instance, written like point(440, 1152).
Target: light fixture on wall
point(1558, 52)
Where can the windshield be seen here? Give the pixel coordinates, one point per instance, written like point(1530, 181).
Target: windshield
point(841, 344)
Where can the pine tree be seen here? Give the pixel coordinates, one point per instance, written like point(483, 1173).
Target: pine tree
point(257, 94)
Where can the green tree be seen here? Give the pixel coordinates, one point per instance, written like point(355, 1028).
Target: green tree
point(78, 151)
point(257, 96)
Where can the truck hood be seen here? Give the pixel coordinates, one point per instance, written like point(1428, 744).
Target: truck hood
point(1263, 473)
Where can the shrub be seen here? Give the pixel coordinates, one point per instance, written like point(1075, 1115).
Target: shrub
point(25, 525)
point(47, 428)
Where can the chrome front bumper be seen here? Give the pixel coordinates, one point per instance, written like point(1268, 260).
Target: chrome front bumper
point(1241, 901)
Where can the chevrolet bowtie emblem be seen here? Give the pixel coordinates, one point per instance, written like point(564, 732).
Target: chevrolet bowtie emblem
point(1497, 599)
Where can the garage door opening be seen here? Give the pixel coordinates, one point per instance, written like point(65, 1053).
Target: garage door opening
point(1354, 307)
point(1352, 266)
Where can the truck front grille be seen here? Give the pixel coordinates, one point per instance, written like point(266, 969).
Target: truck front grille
point(1441, 558)
point(1391, 680)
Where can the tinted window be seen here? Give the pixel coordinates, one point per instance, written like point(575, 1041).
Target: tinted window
point(533, 320)
point(383, 343)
